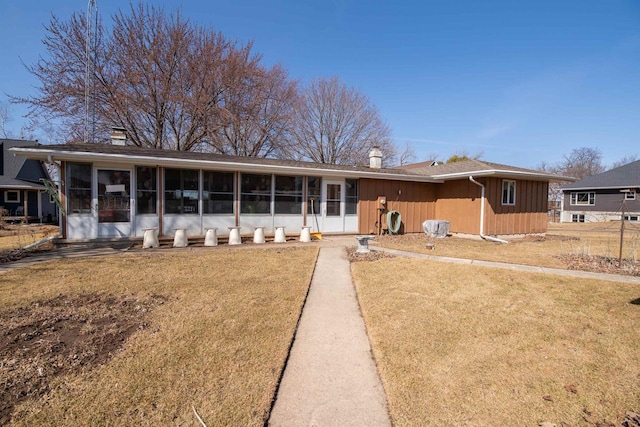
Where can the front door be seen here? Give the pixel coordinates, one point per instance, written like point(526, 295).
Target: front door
point(114, 203)
point(333, 206)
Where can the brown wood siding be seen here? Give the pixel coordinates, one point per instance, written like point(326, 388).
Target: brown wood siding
point(459, 203)
point(528, 215)
point(414, 200)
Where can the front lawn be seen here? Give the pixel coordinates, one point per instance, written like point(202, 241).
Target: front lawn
point(565, 245)
point(146, 338)
point(464, 345)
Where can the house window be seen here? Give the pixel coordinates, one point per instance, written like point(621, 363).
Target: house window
point(79, 188)
point(577, 218)
point(12, 196)
point(351, 197)
point(146, 190)
point(181, 191)
point(583, 198)
point(217, 192)
point(508, 192)
point(255, 194)
point(631, 217)
point(314, 191)
point(114, 195)
point(288, 195)
point(630, 195)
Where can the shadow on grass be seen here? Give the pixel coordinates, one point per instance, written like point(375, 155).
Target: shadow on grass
point(635, 301)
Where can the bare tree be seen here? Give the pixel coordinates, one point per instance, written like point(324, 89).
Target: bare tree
point(169, 83)
point(258, 106)
point(336, 124)
point(581, 163)
point(624, 161)
point(26, 131)
point(408, 154)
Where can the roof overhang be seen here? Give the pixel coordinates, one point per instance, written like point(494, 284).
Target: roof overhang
point(503, 173)
point(611, 187)
point(51, 155)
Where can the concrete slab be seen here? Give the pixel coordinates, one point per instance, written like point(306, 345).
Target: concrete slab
point(331, 378)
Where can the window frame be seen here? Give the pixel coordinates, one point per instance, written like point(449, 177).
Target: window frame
point(8, 199)
point(183, 208)
point(152, 191)
point(508, 196)
point(285, 201)
point(630, 195)
point(574, 200)
point(249, 203)
point(351, 198)
point(84, 207)
point(209, 189)
point(578, 218)
point(317, 195)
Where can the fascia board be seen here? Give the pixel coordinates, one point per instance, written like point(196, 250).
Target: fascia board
point(502, 174)
point(49, 155)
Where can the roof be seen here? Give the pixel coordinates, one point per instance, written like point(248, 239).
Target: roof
point(478, 168)
point(627, 176)
point(421, 172)
point(17, 172)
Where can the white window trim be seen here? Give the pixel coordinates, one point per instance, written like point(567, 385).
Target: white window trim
point(630, 195)
point(7, 199)
point(508, 182)
point(573, 198)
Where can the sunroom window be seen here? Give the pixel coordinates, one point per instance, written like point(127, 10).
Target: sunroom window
point(255, 194)
point(288, 195)
point(217, 192)
point(181, 191)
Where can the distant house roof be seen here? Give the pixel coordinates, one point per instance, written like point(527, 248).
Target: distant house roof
point(627, 176)
point(16, 172)
point(478, 168)
point(423, 172)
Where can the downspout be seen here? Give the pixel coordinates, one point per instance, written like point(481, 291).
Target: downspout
point(482, 214)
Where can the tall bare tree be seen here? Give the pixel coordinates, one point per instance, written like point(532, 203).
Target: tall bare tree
point(581, 163)
point(338, 125)
point(169, 83)
point(625, 160)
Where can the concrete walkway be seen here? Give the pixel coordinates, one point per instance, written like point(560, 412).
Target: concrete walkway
point(331, 378)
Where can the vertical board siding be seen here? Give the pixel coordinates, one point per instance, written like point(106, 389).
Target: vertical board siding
point(528, 215)
point(414, 200)
point(459, 203)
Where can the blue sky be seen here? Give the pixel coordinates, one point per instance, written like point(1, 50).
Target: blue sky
point(520, 82)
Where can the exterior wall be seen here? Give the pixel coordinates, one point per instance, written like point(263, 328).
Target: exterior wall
point(607, 207)
point(459, 202)
point(414, 200)
point(528, 216)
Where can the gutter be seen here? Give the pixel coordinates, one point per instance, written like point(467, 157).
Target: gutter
point(494, 239)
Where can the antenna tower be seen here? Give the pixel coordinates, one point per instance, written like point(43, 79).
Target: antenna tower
point(91, 42)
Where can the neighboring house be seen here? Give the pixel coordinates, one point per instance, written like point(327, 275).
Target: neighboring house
point(112, 191)
point(23, 196)
point(601, 197)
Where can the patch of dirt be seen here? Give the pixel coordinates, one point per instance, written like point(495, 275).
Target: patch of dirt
point(370, 256)
point(601, 264)
point(18, 254)
point(63, 335)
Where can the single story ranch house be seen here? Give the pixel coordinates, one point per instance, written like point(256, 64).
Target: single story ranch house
point(118, 191)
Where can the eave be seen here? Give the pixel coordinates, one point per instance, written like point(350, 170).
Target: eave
point(50, 156)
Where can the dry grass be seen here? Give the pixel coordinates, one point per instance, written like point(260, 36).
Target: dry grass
point(218, 343)
point(587, 239)
point(462, 345)
point(17, 236)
